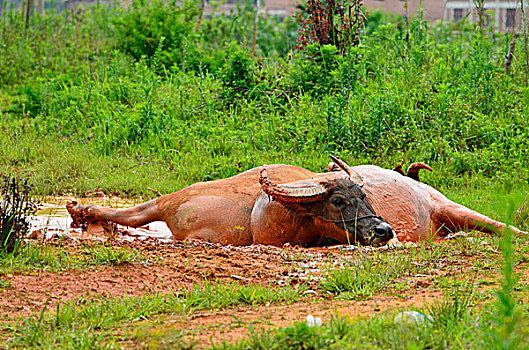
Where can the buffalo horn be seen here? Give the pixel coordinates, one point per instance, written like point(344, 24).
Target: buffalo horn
point(353, 175)
point(311, 192)
point(413, 170)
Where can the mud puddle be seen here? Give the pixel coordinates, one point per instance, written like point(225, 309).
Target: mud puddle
point(52, 219)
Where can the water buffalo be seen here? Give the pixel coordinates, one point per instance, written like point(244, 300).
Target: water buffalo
point(273, 205)
point(347, 205)
point(415, 210)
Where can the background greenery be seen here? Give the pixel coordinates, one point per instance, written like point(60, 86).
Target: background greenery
point(123, 99)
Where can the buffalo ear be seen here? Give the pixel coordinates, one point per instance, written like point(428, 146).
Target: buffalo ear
point(353, 175)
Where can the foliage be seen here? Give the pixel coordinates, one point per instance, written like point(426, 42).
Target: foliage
point(376, 18)
point(199, 105)
point(330, 22)
point(141, 30)
point(15, 208)
point(237, 74)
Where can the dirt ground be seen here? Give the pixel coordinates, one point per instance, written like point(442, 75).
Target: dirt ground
point(167, 266)
point(171, 266)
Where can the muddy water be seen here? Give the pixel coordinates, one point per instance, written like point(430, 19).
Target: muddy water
point(52, 218)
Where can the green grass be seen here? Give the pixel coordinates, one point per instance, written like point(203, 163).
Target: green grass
point(367, 274)
point(91, 323)
point(110, 254)
point(113, 121)
point(38, 257)
point(46, 257)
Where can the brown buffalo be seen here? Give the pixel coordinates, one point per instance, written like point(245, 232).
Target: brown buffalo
point(415, 210)
point(307, 209)
point(273, 205)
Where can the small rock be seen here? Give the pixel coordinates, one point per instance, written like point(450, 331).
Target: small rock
point(310, 291)
point(313, 321)
point(411, 318)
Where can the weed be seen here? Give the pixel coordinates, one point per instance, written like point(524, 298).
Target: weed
point(108, 253)
point(448, 313)
point(15, 209)
point(366, 275)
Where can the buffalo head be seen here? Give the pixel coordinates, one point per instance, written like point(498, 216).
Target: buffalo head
point(337, 206)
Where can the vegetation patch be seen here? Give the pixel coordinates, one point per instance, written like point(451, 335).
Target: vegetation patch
point(89, 321)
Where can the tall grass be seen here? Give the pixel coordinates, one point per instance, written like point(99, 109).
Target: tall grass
point(15, 208)
point(507, 311)
point(106, 105)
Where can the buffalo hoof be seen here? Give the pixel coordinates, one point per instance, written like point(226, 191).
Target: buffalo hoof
point(83, 219)
point(76, 212)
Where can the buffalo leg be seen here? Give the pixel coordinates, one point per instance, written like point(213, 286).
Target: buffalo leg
point(455, 217)
point(136, 216)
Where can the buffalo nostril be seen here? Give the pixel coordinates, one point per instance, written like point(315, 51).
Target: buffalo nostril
point(383, 230)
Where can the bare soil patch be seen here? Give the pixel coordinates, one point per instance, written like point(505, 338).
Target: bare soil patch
point(167, 266)
point(172, 266)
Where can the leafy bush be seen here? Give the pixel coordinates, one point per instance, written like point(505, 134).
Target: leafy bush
point(237, 74)
point(15, 209)
point(146, 25)
point(317, 71)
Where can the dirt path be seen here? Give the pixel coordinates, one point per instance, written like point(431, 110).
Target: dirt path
point(207, 328)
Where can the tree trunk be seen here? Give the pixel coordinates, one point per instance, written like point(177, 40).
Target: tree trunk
point(200, 15)
point(255, 22)
point(29, 6)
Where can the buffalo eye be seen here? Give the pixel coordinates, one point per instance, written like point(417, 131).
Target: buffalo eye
point(339, 202)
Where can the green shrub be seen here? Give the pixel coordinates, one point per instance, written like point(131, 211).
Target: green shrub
point(146, 25)
point(316, 71)
point(237, 74)
point(15, 208)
